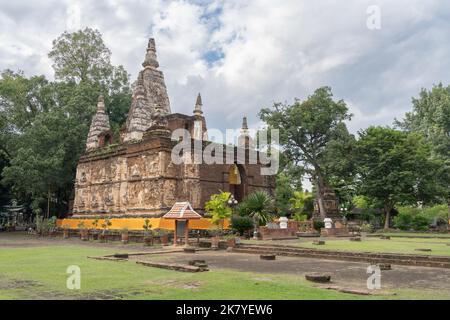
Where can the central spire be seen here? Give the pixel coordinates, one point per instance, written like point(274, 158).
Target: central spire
point(150, 98)
point(198, 106)
point(150, 57)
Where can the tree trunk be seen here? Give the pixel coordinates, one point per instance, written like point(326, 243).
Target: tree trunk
point(48, 203)
point(387, 211)
point(320, 189)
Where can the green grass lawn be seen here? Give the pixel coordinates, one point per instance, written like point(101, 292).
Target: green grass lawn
point(414, 234)
point(46, 268)
point(40, 273)
point(395, 245)
point(407, 245)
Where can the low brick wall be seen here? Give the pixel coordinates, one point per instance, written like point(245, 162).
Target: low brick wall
point(334, 232)
point(268, 233)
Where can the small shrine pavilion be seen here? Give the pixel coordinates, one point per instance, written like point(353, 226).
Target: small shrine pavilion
point(181, 212)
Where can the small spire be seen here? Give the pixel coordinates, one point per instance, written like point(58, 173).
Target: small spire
point(150, 57)
point(198, 106)
point(244, 123)
point(101, 104)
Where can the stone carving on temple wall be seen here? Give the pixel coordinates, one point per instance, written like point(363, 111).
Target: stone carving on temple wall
point(109, 200)
point(152, 192)
point(135, 194)
point(169, 197)
point(135, 172)
point(151, 165)
point(124, 194)
point(94, 201)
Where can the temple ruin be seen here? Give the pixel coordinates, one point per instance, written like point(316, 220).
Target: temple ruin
point(133, 175)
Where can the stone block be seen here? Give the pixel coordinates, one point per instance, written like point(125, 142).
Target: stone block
point(189, 250)
point(423, 250)
point(317, 277)
point(267, 257)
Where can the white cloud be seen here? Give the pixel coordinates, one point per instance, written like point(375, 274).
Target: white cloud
point(272, 50)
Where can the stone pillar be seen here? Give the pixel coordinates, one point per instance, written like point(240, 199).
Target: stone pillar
point(186, 233)
point(175, 239)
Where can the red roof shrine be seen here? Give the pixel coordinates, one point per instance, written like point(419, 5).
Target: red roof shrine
point(182, 210)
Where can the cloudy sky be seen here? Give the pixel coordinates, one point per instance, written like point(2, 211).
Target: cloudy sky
point(244, 55)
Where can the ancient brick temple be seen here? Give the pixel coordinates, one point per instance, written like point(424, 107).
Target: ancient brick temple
point(133, 175)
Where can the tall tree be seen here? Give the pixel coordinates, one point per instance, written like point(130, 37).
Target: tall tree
point(393, 168)
point(306, 129)
point(82, 58)
point(43, 124)
point(430, 117)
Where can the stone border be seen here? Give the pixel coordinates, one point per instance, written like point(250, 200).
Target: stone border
point(172, 266)
point(373, 258)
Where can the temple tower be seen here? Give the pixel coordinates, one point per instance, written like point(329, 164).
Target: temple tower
point(149, 97)
point(198, 121)
point(99, 124)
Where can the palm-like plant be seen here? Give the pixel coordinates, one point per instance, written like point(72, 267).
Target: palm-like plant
point(257, 205)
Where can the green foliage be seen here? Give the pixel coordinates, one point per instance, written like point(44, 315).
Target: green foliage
point(284, 192)
point(419, 219)
point(241, 223)
point(300, 217)
point(95, 224)
point(393, 167)
point(307, 128)
point(367, 227)
point(288, 180)
point(43, 124)
point(81, 225)
point(430, 117)
point(218, 207)
point(318, 224)
point(45, 226)
point(147, 225)
point(257, 205)
point(106, 224)
point(302, 203)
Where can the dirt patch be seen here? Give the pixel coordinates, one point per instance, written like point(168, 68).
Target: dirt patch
point(18, 284)
point(23, 240)
point(345, 274)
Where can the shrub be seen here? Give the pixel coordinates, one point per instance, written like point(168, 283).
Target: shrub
point(412, 218)
point(318, 224)
point(302, 203)
point(366, 227)
point(218, 208)
point(257, 205)
point(420, 222)
point(241, 224)
point(300, 217)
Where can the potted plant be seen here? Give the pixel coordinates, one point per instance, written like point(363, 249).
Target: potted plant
point(163, 236)
point(51, 226)
point(95, 229)
point(66, 231)
point(148, 237)
point(125, 236)
point(84, 235)
point(105, 225)
point(215, 238)
point(41, 226)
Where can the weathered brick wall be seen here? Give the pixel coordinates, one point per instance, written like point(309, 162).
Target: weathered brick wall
point(140, 179)
point(267, 233)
